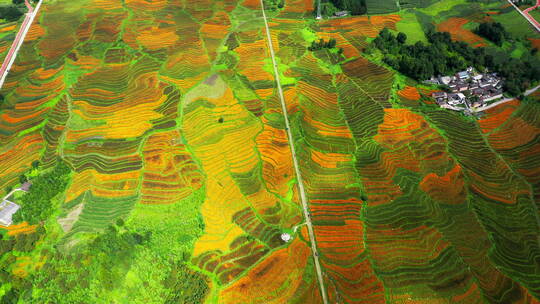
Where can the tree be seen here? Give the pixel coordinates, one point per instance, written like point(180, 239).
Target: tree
point(23, 179)
point(120, 222)
point(10, 297)
point(355, 7)
point(37, 203)
point(442, 56)
point(35, 164)
point(493, 31)
point(401, 38)
point(331, 43)
point(10, 13)
point(321, 44)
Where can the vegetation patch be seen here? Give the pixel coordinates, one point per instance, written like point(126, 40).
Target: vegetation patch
point(445, 57)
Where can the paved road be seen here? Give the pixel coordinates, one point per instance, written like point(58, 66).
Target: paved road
point(532, 7)
point(303, 197)
point(527, 93)
point(531, 20)
point(526, 12)
point(19, 39)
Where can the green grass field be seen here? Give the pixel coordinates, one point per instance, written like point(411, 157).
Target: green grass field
point(535, 14)
point(516, 24)
point(411, 27)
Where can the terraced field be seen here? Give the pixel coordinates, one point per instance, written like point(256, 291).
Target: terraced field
point(150, 103)
point(8, 31)
point(410, 203)
point(182, 181)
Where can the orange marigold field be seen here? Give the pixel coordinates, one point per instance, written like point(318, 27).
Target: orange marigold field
point(299, 6)
point(516, 132)
point(274, 280)
point(495, 117)
point(276, 158)
point(21, 228)
point(170, 173)
point(409, 93)
point(448, 188)
point(455, 27)
point(362, 25)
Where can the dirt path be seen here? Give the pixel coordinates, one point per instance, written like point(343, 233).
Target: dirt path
point(303, 196)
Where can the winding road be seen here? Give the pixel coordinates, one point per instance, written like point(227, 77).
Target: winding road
point(18, 41)
point(302, 192)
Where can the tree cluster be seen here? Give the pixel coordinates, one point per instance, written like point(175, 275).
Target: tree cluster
point(493, 31)
point(274, 4)
point(186, 285)
point(102, 264)
point(10, 13)
point(321, 44)
point(442, 56)
point(355, 7)
point(37, 204)
point(10, 247)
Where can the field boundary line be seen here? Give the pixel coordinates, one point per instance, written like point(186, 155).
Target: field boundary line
point(303, 197)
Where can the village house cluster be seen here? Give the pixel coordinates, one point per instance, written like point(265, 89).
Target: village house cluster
point(468, 88)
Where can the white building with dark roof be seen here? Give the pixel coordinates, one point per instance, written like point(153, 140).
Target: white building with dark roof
point(463, 75)
point(445, 80)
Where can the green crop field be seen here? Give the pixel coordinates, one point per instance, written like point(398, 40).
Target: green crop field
point(154, 136)
point(535, 14)
point(515, 24)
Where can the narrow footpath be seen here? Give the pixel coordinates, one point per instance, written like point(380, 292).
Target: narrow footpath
point(303, 197)
point(18, 41)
